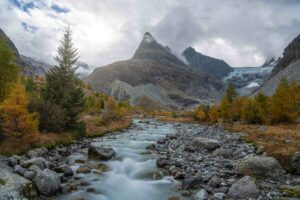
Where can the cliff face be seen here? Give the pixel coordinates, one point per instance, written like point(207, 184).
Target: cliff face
point(214, 67)
point(156, 74)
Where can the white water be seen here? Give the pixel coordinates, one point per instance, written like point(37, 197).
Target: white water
point(132, 175)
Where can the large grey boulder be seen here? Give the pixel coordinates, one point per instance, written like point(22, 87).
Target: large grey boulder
point(14, 186)
point(40, 162)
point(243, 189)
point(204, 143)
point(201, 195)
point(296, 162)
point(267, 167)
point(48, 182)
point(101, 152)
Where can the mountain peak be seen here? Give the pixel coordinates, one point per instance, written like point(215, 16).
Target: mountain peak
point(148, 38)
point(190, 50)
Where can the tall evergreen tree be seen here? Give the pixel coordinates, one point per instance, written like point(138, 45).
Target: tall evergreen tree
point(9, 71)
point(231, 93)
point(63, 86)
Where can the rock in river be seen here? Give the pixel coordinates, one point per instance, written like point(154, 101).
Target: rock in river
point(48, 182)
point(267, 167)
point(101, 152)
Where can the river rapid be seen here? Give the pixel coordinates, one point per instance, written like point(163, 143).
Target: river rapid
point(132, 174)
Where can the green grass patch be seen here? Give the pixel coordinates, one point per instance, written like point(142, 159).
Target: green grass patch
point(2, 182)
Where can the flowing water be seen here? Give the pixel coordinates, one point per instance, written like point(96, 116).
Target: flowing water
point(132, 175)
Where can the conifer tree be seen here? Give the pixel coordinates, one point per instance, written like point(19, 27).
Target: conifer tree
point(17, 121)
point(63, 86)
point(9, 71)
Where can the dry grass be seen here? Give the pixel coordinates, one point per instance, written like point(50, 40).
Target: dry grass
point(279, 141)
point(176, 119)
point(96, 128)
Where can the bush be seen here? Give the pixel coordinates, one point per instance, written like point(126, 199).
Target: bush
point(51, 117)
point(79, 130)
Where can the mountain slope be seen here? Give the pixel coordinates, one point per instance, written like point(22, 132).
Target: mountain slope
point(288, 67)
point(28, 65)
point(212, 66)
point(156, 75)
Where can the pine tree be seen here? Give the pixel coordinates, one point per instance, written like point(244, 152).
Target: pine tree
point(17, 121)
point(63, 86)
point(231, 93)
point(9, 71)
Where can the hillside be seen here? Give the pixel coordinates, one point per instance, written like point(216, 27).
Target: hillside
point(288, 67)
point(155, 74)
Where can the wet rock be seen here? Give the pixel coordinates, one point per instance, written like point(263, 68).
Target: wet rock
point(295, 162)
point(80, 161)
point(267, 167)
point(48, 182)
point(206, 143)
point(40, 162)
point(14, 186)
point(244, 188)
point(226, 153)
point(201, 195)
point(151, 147)
point(65, 169)
point(99, 166)
point(100, 152)
point(161, 162)
point(191, 182)
point(19, 170)
point(83, 169)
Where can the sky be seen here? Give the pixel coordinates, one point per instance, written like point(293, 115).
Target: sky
point(241, 32)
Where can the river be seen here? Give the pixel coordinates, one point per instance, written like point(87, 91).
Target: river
point(132, 174)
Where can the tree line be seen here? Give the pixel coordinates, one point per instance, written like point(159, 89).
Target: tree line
point(282, 107)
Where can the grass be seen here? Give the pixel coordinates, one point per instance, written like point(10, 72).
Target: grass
point(2, 182)
point(279, 141)
point(291, 192)
point(176, 119)
point(11, 146)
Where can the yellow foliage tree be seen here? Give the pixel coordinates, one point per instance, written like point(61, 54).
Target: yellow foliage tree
point(214, 114)
point(17, 121)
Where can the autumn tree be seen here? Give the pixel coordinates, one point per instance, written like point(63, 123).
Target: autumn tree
point(282, 104)
point(17, 121)
point(63, 87)
point(227, 103)
point(213, 114)
point(9, 71)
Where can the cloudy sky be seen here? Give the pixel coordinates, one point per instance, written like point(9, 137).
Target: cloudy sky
point(243, 33)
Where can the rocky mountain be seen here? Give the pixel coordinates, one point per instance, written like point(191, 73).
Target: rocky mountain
point(155, 77)
point(28, 65)
point(211, 66)
point(288, 66)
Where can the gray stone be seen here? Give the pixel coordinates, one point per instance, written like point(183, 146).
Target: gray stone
point(19, 170)
point(243, 189)
point(267, 167)
point(30, 175)
point(48, 182)
point(83, 169)
point(35, 168)
point(219, 196)
point(201, 195)
point(65, 169)
point(40, 162)
point(101, 152)
point(226, 153)
point(206, 143)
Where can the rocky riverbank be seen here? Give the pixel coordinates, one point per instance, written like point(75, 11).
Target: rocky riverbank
point(215, 164)
point(208, 161)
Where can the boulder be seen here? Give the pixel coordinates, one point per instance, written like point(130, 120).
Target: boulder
point(226, 153)
point(191, 182)
point(161, 162)
point(65, 169)
point(204, 143)
point(201, 195)
point(267, 167)
point(19, 170)
point(83, 169)
point(243, 189)
point(101, 152)
point(40, 162)
point(30, 175)
point(48, 182)
point(219, 196)
point(99, 166)
point(295, 162)
point(151, 147)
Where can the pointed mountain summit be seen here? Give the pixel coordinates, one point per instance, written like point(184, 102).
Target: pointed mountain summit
point(155, 77)
point(214, 67)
